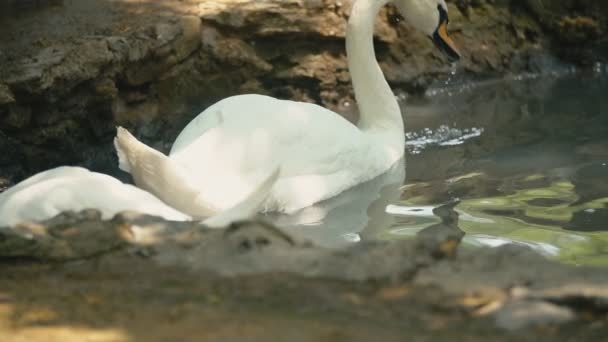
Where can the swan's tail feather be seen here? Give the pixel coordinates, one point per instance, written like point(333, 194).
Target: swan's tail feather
point(159, 175)
point(127, 147)
point(248, 207)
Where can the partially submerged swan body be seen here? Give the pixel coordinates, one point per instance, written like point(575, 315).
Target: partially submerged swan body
point(49, 193)
point(357, 214)
point(228, 148)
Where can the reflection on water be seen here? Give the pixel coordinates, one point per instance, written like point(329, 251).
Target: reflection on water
point(344, 219)
point(529, 164)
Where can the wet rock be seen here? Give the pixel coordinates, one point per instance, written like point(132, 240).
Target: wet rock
point(165, 46)
point(443, 237)
point(293, 17)
point(17, 117)
point(106, 88)
point(243, 248)
point(141, 113)
point(232, 51)
point(579, 29)
point(250, 247)
point(12, 154)
point(61, 238)
point(575, 26)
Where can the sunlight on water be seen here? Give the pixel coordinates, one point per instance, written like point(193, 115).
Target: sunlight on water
point(442, 136)
point(515, 219)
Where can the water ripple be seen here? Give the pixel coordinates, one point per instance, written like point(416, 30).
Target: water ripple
point(442, 136)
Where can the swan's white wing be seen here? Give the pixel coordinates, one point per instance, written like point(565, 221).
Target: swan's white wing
point(231, 146)
point(249, 131)
point(247, 208)
point(61, 171)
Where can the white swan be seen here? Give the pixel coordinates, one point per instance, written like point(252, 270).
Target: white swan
point(65, 188)
point(229, 146)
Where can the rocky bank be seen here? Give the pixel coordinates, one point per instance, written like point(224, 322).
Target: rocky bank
point(139, 278)
point(71, 71)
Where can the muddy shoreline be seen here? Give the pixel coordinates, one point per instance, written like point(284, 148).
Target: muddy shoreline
point(137, 277)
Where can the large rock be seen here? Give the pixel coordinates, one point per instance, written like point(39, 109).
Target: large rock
point(71, 73)
point(577, 26)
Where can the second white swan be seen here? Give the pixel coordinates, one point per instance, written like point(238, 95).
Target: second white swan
point(67, 188)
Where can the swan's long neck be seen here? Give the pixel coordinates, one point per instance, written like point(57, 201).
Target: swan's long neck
point(379, 111)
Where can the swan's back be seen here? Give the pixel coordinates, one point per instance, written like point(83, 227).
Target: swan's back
point(231, 144)
point(242, 137)
point(51, 192)
point(249, 131)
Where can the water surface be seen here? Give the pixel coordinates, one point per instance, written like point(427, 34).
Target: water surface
point(526, 156)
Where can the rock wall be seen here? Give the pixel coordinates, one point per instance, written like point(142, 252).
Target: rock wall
point(70, 72)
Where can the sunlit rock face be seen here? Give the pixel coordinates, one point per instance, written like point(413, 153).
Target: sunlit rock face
point(71, 71)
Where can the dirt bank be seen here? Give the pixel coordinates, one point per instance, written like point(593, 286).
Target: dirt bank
point(140, 278)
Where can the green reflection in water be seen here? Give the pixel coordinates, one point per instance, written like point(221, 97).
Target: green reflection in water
point(541, 225)
point(494, 221)
point(536, 176)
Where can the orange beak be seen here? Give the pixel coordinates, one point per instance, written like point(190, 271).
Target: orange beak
point(442, 40)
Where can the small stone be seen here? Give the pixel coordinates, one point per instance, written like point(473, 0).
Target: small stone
point(190, 39)
point(522, 314)
point(6, 95)
point(18, 117)
point(166, 32)
point(106, 87)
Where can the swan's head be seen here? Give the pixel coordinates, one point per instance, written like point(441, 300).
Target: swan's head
point(431, 18)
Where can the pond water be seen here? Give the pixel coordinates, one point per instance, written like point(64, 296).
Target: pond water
point(526, 156)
